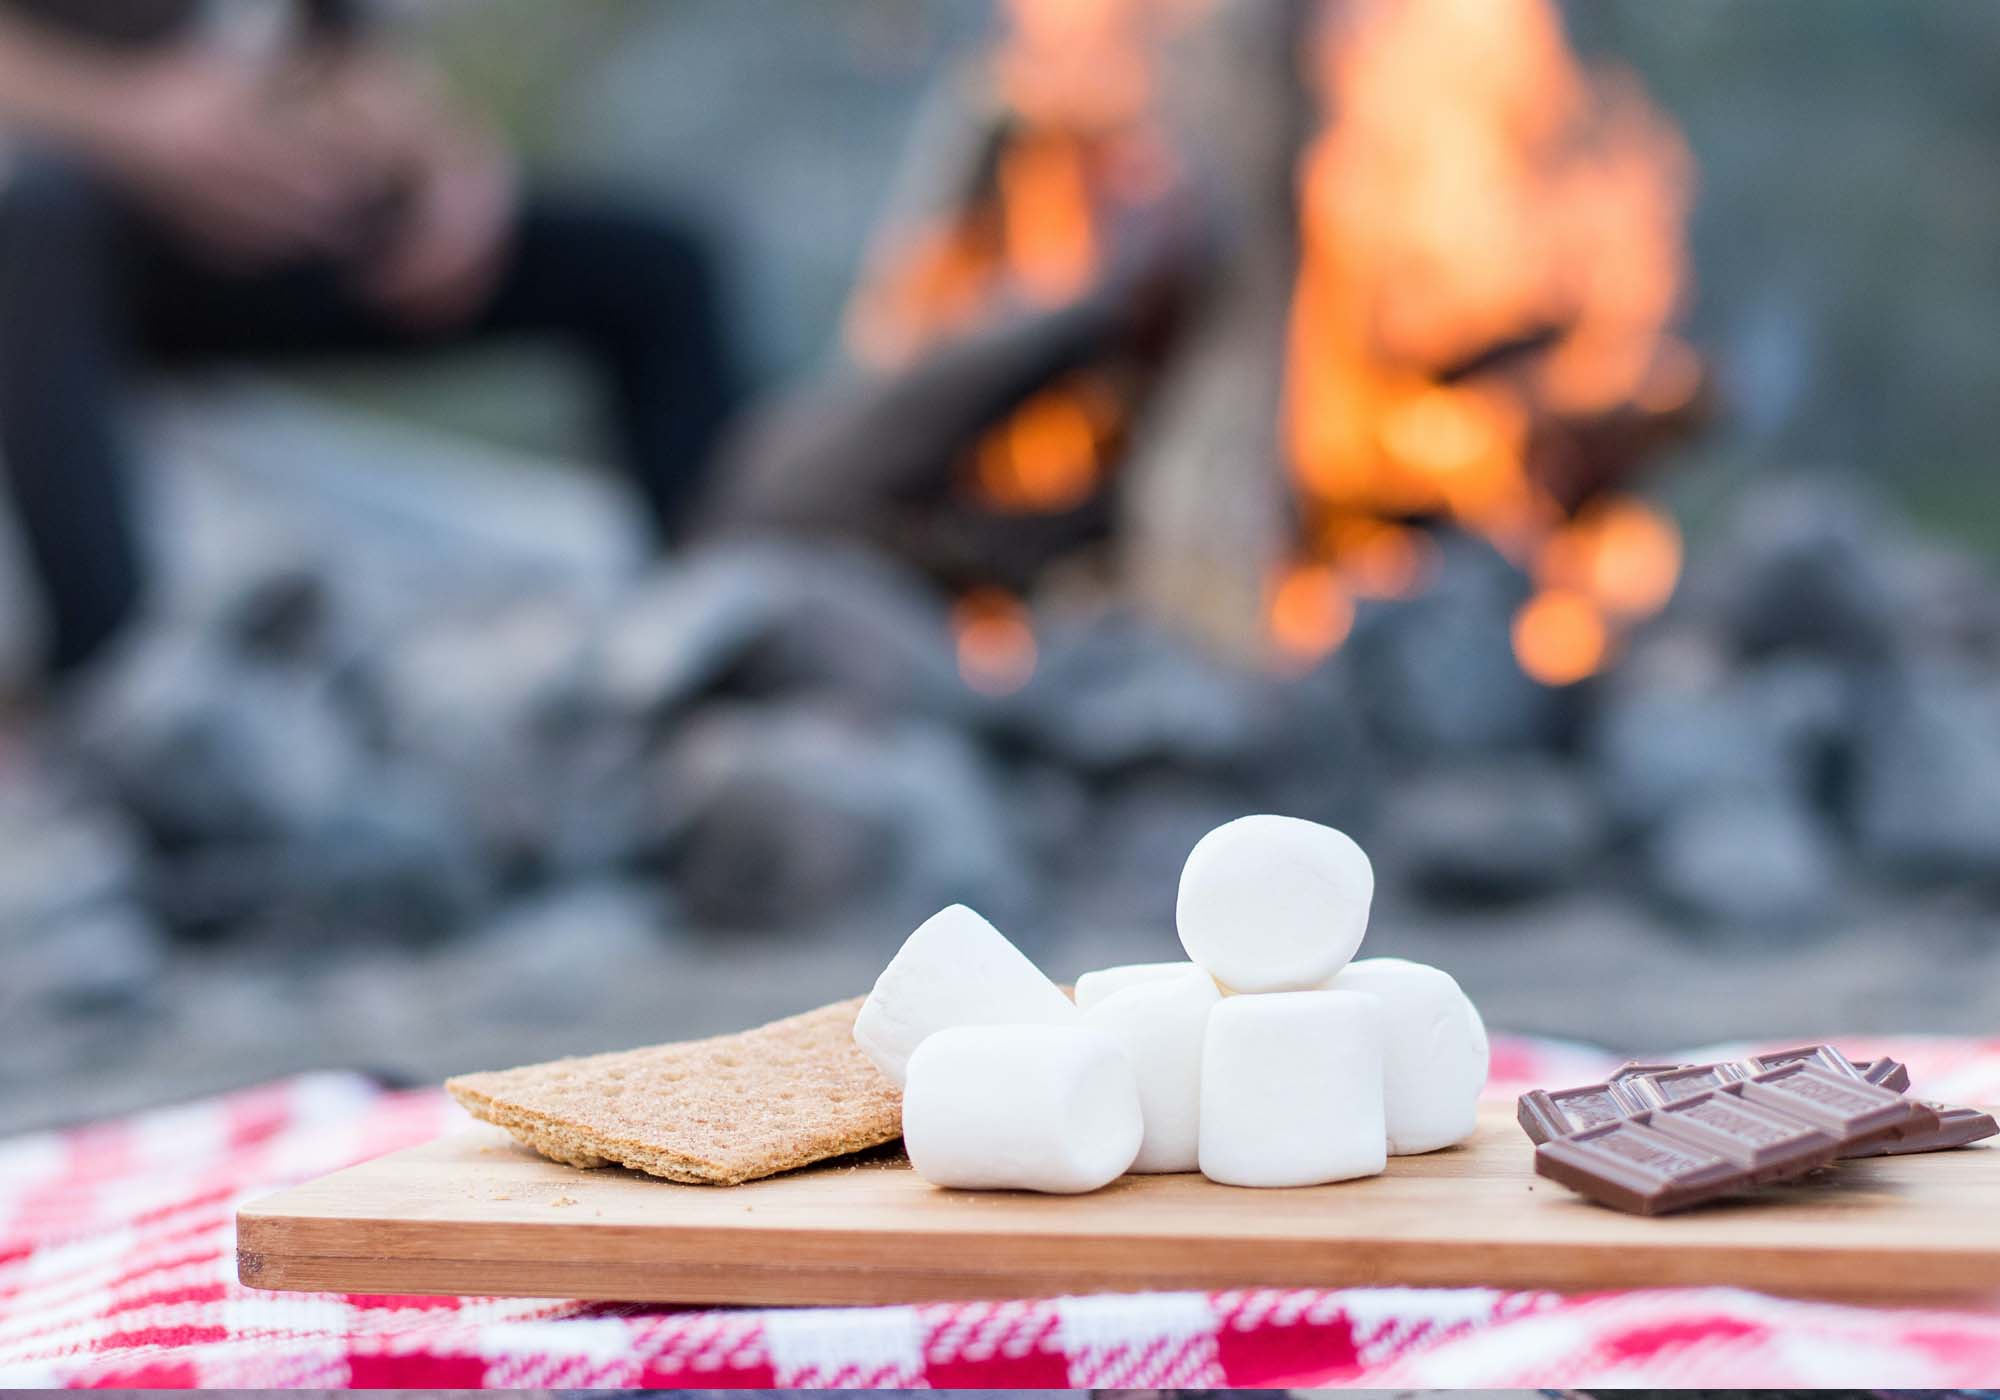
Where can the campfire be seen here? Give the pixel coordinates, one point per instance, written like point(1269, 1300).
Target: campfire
point(1479, 256)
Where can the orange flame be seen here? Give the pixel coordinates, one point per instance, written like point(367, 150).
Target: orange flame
point(1473, 186)
point(1075, 79)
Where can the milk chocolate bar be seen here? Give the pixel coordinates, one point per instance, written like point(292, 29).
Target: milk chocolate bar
point(1716, 1142)
point(1956, 1127)
point(1637, 1085)
point(1652, 1139)
point(1849, 1107)
point(1627, 1165)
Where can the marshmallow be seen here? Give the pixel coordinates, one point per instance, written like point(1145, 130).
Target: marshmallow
point(1291, 1089)
point(955, 970)
point(1274, 904)
point(1434, 1051)
point(1159, 1024)
point(1027, 1108)
point(1093, 987)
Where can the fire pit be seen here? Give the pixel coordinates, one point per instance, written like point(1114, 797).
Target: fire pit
point(1210, 445)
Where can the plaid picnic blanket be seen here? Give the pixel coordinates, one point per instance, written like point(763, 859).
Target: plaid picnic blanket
point(118, 1268)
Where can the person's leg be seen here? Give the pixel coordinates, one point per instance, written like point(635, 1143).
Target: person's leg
point(62, 444)
point(627, 288)
point(637, 294)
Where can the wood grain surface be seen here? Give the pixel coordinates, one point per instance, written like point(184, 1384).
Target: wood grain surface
point(475, 1214)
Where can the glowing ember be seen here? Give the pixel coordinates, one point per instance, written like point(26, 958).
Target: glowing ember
point(1620, 552)
point(996, 644)
point(1560, 637)
point(1310, 612)
point(1473, 187)
point(1045, 457)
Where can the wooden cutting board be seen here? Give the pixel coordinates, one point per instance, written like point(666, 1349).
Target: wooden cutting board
point(476, 1214)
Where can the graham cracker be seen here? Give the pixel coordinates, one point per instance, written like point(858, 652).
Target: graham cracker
point(708, 1112)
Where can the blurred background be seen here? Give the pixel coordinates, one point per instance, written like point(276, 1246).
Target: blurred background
point(600, 517)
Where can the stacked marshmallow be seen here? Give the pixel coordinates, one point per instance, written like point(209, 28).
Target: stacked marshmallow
point(1270, 1058)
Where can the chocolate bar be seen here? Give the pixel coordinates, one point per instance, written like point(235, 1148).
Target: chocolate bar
point(1627, 1165)
point(1853, 1110)
point(1956, 1127)
point(1654, 1138)
point(1774, 1126)
point(1637, 1085)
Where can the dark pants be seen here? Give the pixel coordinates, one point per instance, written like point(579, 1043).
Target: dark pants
point(92, 290)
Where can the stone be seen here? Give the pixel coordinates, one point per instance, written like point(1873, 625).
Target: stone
point(774, 814)
point(1669, 734)
point(203, 746)
point(1803, 567)
point(64, 863)
point(394, 859)
point(765, 619)
point(544, 958)
point(104, 958)
point(1504, 828)
point(1438, 669)
point(1111, 694)
point(1925, 789)
point(1745, 860)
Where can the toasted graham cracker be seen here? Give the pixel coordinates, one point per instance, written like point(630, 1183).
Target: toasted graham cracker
point(709, 1112)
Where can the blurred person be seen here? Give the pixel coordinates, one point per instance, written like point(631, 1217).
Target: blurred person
point(170, 197)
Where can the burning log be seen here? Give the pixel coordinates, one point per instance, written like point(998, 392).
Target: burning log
point(1445, 258)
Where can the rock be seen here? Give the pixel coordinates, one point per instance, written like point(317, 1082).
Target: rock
point(1112, 693)
point(287, 615)
point(1113, 697)
point(107, 957)
point(1504, 829)
point(765, 619)
point(202, 746)
point(1745, 859)
point(767, 815)
point(1438, 671)
point(1925, 793)
point(1680, 726)
point(62, 863)
point(393, 859)
point(475, 686)
point(487, 707)
point(545, 959)
point(1804, 566)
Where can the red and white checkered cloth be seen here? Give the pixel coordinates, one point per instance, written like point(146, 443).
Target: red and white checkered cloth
point(118, 1267)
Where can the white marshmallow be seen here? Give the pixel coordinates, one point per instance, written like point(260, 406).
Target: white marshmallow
point(1028, 1108)
point(955, 970)
point(1093, 987)
point(1159, 1024)
point(1291, 1089)
point(1274, 904)
point(1434, 1051)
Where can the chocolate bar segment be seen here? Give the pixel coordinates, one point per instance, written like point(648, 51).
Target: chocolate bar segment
point(1767, 1143)
point(1890, 1074)
point(1825, 1056)
point(1956, 1128)
point(1633, 1068)
point(1553, 1113)
point(1853, 1110)
point(1664, 1086)
point(1630, 1166)
point(1638, 1085)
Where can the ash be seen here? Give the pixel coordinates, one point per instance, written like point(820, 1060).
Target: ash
point(409, 779)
